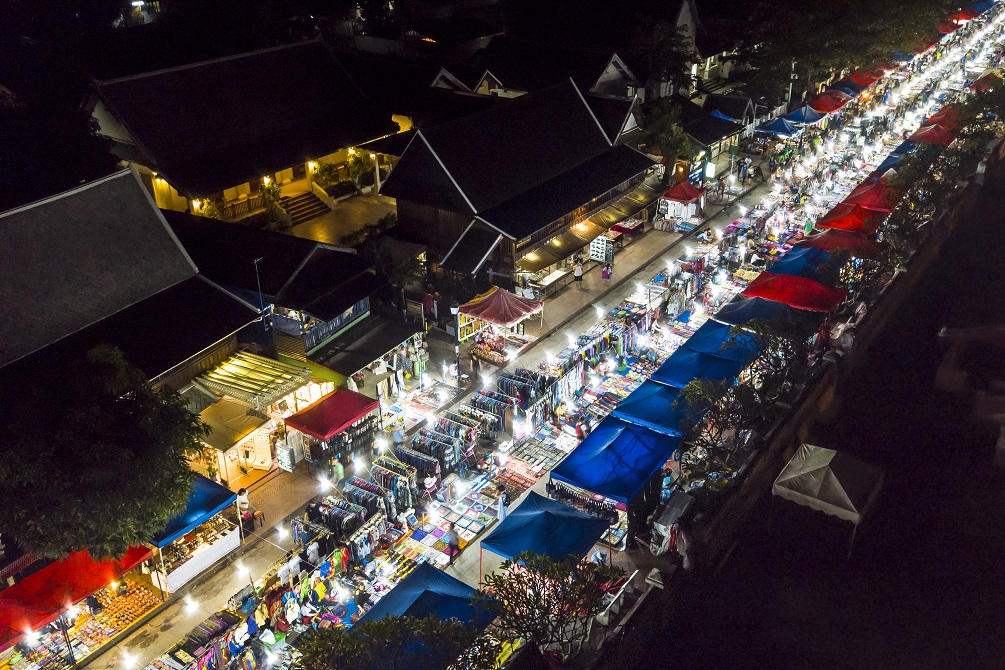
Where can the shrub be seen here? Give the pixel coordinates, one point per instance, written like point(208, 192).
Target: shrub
point(366, 179)
point(342, 188)
point(325, 174)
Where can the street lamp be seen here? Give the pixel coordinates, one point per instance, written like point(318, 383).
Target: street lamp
point(376, 174)
point(456, 312)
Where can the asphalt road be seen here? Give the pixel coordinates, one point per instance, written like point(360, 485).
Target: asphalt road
point(923, 588)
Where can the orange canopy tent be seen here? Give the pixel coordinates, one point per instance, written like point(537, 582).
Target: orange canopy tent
point(834, 239)
point(684, 192)
point(851, 217)
point(501, 307)
point(934, 134)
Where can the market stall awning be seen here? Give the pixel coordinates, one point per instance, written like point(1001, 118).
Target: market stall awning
point(230, 421)
point(779, 127)
point(805, 116)
point(255, 379)
point(332, 414)
point(854, 218)
point(986, 82)
point(684, 192)
point(566, 244)
point(864, 78)
point(656, 407)
point(537, 260)
point(800, 261)
point(848, 83)
point(875, 196)
point(616, 460)
point(889, 163)
point(740, 310)
point(364, 343)
point(471, 250)
point(206, 500)
point(934, 134)
point(545, 527)
point(948, 117)
point(830, 101)
point(947, 27)
point(797, 292)
point(718, 339)
point(588, 230)
point(686, 365)
point(427, 592)
point(833, 239)
point(40, 598)
point(501, 307)
point(829, 481)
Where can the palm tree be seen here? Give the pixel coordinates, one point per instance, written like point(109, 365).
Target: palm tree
point(663, 134)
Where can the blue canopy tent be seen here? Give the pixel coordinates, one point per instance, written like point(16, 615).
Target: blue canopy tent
point(849, 84)
point(800, 262)
point(719, 115)
point(428, 591)
point(740, 310)
point(655, 407)
point(983, 6)
point(616, 460)
point(715, 338)
point(779, 127)
point(904, 148)
point(805, 116)
point(890, 163)
point(844, 89)
point(685, 365)
point(547, 528)
point(206, 500)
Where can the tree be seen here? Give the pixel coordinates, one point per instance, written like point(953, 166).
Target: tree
point(546, 602)
point(662, 134)
point(394, 643)
point(667, 52)
point(95, 458)
point(782, 347)
point(718, 411)
point(325, 174)
point(358, 162)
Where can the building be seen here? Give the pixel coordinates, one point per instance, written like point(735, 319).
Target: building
point(513, 183)
point(211, 134)
point(715, 139)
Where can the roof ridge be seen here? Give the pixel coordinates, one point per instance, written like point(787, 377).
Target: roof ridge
point(64, 194)
point(220, 59)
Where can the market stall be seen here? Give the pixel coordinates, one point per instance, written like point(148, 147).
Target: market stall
point(493, 320)
point(340, 428)
point(680, 208)
point(654, 406)
point(740, 310)
point(195, 540)
point(429, 592)
point(795, 291)
point(546, 528)
point(834, 239)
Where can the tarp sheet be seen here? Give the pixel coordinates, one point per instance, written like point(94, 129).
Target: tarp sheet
point(206, 500)
point(833, 239)
point(986, 82)
point(42, 597)
point(830, 101)
point(426, 592)
point(501, 307)
point(889, 163)
point(904, 148)
point(779, 127)
point(332, 414)
point(545, 527)
point(616, 460)
point(684, 192)
point(740, 310)
point(934, 134)
point(655, 407)
point(829, 481)
point(686, 365)
point(805, 115)
point(802, 262)
point(797, 292)
point(717, 338)
point(847, 83)
point(875, 196)
point(947, 117)
point(864, 78)
point(854, 218)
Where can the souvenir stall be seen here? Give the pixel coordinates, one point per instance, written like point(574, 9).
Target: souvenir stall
point(195, 540)
point(339, 428)
point(608, 469)
point(420, 405)
point(65, 612)
point(681, 208)
point(494, 322)
point(471, 505)
point(631, 227)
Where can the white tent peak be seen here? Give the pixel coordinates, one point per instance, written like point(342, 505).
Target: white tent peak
point(829, 481)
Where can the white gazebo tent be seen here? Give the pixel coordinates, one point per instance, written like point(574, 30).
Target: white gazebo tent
point(831, 482)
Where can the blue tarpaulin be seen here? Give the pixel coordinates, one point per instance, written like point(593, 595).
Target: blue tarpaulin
point(654, 406)
point(685, 365)
point(207, 499)
point(740, 310)
point(889, 164)
point(779, 127)
point(904, 148)
point(805, 115)
point(546, 527)
point(719, 115)
point(716, 338)
point(428, 591)
point(800, 262)
point(616, 460)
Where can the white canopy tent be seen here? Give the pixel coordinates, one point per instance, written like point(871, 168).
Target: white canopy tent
point(831, 482)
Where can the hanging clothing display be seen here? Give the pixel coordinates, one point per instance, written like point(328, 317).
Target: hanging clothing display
point(495, 403)
point(339, 516)
point(397, 479)
point(488, 423)
point(367, 495)
point(426, 466)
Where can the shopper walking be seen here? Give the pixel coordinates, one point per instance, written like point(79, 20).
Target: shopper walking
point(453, 543)
point(577, 274)
point(605, 274)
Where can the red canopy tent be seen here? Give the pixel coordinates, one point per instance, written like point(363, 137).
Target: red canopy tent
point(834, 239)
point(985, 83)
point(934, 134)
point(684, 192)
point(966, 15)
point(501, 307)
point(828, 102)
point(332, 414)
point(947, 27)
point(795, 291)
point(42, 597)
point(875, 196)
point(851, 217)
point(863, 78)
point(947, 117)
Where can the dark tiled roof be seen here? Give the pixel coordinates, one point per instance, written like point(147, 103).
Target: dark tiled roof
point(74, 259)
point(538, 207)
point(363, 344)
point(704, 128)
point(155, 334)
point(392, 145)
point(212, 125)
point(470, 250)
point(612, 112)
point(733, 106)
point(500, 153)
point(329, 306)
point(529, 66)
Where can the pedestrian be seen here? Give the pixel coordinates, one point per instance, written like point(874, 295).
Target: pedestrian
point(580, 431)
point(577, 273)
point(476, 365)
point(398, 434)
point(605, 274)
point(759, 173)
point(453, 543)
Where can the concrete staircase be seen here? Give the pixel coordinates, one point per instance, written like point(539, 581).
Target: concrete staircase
point(303, 207)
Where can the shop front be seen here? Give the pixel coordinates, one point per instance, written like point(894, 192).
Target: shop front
point(195, 540)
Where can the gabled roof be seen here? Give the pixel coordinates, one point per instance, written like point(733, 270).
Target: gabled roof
point(212, 125)
point(705, 128)
point(76, 258)
point(294, 272)
point(734, 106)
point(612, 112)
point(482, 160)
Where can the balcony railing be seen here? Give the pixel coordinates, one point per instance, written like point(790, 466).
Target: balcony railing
point(239, 208)
point(315, 337)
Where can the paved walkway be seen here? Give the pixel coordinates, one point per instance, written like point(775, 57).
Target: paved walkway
point(348, 216)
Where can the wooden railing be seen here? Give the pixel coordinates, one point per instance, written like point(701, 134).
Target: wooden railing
point(237, 208)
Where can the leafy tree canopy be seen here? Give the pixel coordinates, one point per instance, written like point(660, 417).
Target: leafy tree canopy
point(96, 459)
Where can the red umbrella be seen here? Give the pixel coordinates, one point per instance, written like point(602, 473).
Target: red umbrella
point(850, 217)
point(948, 117)
point(828, 102)
point(795, 291)
point(934, 134)
point(875, 196)
point(833, 239)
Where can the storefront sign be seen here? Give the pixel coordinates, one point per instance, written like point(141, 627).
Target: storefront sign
point(286, 457)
